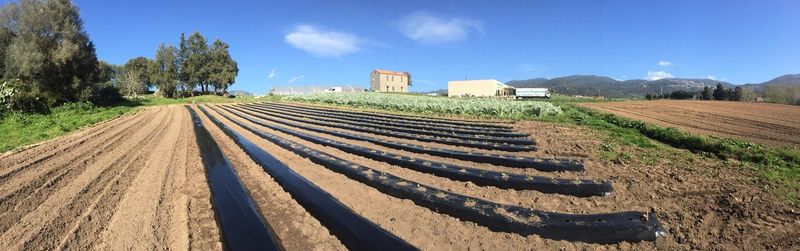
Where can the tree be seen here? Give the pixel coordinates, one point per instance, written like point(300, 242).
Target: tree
point(165, 73)
point(747, 94)
point(720, 92)
point(143, 66)
point(194, 70)
point(46, 48)
point(222, 69)
point(736, 94)
point(681, 94)
point(106, 73)
point(706, 94)
point(130, 82)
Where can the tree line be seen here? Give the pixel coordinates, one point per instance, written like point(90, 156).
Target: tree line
point(47, 59)
point(178, 72)
point(719, 93)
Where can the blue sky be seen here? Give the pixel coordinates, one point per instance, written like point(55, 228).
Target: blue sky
point(340, 42)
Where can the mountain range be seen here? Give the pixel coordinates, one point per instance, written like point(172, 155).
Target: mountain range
point(592, 85)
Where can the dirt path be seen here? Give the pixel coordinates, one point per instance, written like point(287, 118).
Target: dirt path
point(770, 124)
point(134, 182)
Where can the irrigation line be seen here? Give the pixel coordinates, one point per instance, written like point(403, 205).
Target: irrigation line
point(541, 164)
point(425, 127)
point(593, 228)
point(481, 177)
point(422, 119)
point(354, 231)
point(467, 137)
point(424, 138)
point(243, 227)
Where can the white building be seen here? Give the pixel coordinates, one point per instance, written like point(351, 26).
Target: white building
point(479, 88)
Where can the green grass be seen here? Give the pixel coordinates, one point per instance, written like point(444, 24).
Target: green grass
point(17, 129)
point(777, 167)
point(20, 129)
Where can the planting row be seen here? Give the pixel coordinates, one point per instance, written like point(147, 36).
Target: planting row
point(351, 229)
point(393, 128)
point(373, 121)
point(480, 177)
point(423, 138)
point(240, 222)
point(500, 108)
point(593, 228)
point(413, 119)
point(541, 164)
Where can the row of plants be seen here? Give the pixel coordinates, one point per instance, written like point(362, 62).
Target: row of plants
point(394, 128)
point(481, 177)
point(479, 107)
point(630, 226)
point(424, 138)
point(427, 126)
point(541, 164)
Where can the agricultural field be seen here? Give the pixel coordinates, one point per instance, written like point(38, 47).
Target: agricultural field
point(478, 107)
point(768, 124)
point(314, 177)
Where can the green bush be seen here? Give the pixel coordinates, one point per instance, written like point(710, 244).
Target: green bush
point(18, 96)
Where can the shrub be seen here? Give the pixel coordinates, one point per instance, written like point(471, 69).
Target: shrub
point(18, 96)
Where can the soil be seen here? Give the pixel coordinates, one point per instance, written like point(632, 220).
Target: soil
point(699, 200)
point(137, 182)
point(769, 124)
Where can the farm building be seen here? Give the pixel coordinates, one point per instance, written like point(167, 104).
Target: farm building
point(389, 81)
point(479, 88)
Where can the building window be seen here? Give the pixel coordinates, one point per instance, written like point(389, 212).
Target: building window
point(392, 88)
point(401, 89)
point(387, 88)
point(498, 92)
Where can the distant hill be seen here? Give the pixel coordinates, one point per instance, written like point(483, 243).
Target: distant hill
point(591, 85)
point(788, 79)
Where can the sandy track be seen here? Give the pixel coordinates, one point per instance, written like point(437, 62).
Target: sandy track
point(132, 183)
point(770, 124)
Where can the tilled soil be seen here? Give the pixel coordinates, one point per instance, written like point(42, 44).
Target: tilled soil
point(693, 202)
point(770, 124)
point(138, 182)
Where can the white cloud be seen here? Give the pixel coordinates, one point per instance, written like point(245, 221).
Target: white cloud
point(656, 75)
point(712, 77)
point(295, 78)
point(272, 73)
point(322, 43)
point(664, 63)
point(428, 28)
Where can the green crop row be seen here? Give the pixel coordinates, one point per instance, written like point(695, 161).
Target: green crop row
point(480, 107)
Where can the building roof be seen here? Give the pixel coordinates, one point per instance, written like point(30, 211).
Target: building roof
point(474, 81)
point(385, 72)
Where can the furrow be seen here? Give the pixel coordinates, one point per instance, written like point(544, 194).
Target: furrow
point(576, 187)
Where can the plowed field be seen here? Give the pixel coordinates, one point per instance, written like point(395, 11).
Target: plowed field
point(329, 179)
point(769, 124)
